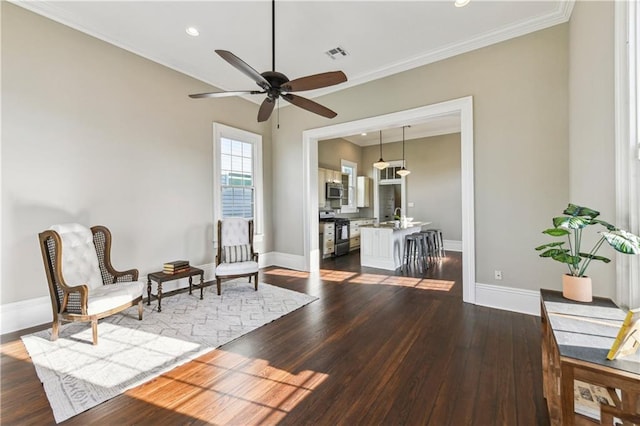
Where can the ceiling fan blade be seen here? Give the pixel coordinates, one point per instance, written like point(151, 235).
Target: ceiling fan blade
point(309, 105)
point(266, 109)
point(244, 68)
point(225, 94)
point(315, 81)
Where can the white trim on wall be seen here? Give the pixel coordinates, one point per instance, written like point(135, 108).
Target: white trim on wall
point(463, 107)
point(508, 299)
point(32, 312)
point(452, 245)
point(627, 146)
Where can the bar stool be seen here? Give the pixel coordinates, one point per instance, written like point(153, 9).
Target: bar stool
point(413, 248)
point(430, 252)
point(439, 242)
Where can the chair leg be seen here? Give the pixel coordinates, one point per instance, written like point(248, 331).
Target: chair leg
point(94, 329)
point(255, 280)
point(218, 284)
point(140, 310)
point(55, 327)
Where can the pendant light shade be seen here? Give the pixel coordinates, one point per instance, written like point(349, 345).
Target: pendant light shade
point(381, 164)
point(403, 172)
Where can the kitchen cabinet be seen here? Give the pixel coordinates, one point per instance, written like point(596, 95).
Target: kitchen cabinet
point(354, 231)
point(328, 239)
point(363, 191)
point(330, 175)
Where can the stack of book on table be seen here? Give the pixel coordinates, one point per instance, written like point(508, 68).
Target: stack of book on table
point(176, 266)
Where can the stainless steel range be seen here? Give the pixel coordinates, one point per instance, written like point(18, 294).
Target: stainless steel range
point(342, 236)
point(342, 232)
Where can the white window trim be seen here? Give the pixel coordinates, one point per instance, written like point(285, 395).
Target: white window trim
point(627, 146)
point(223, 131)
point(350, 208)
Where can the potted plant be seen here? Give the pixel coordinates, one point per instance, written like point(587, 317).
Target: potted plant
point(576, 285)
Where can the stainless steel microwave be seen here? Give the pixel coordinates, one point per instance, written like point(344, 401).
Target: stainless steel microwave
point(334, 191)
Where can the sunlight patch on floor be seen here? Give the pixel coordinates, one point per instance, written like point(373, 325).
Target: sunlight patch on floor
point(242, 390)
point(337, 276)
point(420, 283)
point(356, 278)
point(438, 285)
point(368, 279)
point(287, 273)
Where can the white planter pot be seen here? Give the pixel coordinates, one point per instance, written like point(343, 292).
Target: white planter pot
point(577, 288)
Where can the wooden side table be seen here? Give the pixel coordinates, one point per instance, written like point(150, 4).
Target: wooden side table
point(160, 277)
point(576, 338)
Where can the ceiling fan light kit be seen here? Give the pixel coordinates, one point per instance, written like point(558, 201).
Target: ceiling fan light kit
point(276, 85)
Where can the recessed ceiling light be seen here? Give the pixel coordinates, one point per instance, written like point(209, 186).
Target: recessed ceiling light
point(363, 134)
point(461, 3)
point(193, 31)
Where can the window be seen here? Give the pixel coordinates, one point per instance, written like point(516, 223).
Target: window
point(627, 54)
point(349, 198)
point(237, 175)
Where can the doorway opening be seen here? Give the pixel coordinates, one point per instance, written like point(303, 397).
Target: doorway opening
point(463, 107)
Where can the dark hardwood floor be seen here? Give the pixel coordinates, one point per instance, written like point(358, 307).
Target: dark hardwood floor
point(376, 348)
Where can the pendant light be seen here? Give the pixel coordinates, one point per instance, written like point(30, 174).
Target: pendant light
point(403, 172)
point(381, 164)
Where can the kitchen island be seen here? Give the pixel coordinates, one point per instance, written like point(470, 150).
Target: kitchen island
point(382, 246)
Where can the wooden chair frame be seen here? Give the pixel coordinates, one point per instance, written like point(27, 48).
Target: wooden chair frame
point(254, 257)
point(51, 247)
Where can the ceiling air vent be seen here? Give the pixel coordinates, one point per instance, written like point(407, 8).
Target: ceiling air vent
point(336, 53)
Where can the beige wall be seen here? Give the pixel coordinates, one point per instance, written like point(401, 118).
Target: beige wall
point(434, 185)
point(520, 90)
point(94, 134)
point(332, 151)
point(97, 135)
point(591, 130)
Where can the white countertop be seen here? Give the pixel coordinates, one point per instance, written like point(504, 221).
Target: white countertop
point(393, 226)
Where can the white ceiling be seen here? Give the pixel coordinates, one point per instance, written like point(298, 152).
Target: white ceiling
point(381, 37)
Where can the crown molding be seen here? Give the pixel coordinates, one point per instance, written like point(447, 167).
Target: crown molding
point(561, 15)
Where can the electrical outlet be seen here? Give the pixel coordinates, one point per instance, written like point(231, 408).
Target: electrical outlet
point(497, 274)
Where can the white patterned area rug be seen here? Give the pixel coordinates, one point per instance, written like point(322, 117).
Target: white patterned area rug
point(77, 375)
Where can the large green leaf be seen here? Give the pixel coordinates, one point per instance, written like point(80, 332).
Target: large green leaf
point(575, 210)
point(571, 222)
point(556, 244)
point(607, 225)
point(553, 252)
point(594, 257)
point(566, 258)
point(556, 232)
point(622, 241)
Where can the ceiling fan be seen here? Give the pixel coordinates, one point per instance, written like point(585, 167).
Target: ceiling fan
point(277, 85)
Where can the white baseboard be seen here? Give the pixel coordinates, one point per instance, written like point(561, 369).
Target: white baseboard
point(24, 314)
point(508, 299)
point(32, 312)
point(452, 245)
point(284, 260)
point(29, 313)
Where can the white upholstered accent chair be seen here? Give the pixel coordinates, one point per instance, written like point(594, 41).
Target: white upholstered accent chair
point(236, 257)
point(83, 284)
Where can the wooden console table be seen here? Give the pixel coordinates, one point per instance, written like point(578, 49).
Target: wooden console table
point(576, 338)
point(161, 277)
